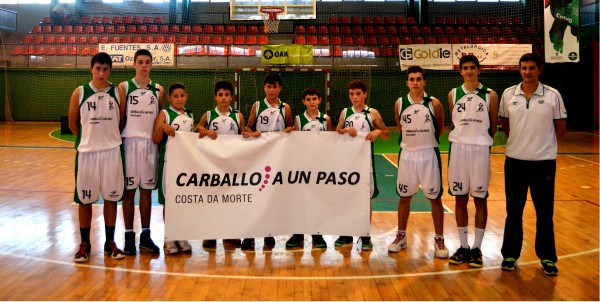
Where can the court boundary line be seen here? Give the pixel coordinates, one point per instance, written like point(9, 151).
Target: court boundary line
point(291, 278)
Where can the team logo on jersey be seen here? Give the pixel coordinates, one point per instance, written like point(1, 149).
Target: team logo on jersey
point(150, 181)
point(541, 101)
point(469, 98)
point(427, 118)
point(111, 105)
point(100, 97)
point(232, 126)
point(113, 194)
point(152, 100)
point(273, 112)
point(143, 93)
point(479, 189)
point(416, 112)
point(480, 108)
point(514, 103)
point(357, 117)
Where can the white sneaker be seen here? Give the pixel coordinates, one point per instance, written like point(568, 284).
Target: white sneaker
point(170, 248)
point(399, 243)
point(440, 248)
point(184, 246)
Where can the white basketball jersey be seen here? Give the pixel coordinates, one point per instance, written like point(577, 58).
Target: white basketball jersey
point(142, 109)
point(99, 119)
point(471, 117)
point(417, 120)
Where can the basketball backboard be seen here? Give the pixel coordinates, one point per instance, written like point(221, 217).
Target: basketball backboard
point(293, 9)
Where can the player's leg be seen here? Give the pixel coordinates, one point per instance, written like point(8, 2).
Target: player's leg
point(406, 186)
point(458, 186)
point(542, 194)
point(516, 180)
point(112, 185)
point(85, 221)
point(87, 188)
point(146, 242)
point(128, 216)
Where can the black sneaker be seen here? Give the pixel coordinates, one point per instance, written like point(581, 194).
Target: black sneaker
point(367, 244)
point(235, 242)
point(209, 243)
point(550, 268)
point(508, 264)
point(146, 243)
point(295, 241)
point(476, 259)
point(343, 240)
point(461, 255)
point(83, 252)
point(319, 242)
point(129, 248)
point(269, 242)
point(248, 244)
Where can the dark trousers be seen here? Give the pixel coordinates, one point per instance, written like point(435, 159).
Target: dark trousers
point(538, 176)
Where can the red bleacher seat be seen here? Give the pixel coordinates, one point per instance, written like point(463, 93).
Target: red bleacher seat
point(170, 39)
point(467, 40)
point(460, 30)
point(230, 28)
point(96, 19)
point(501, 40)
point(227, 40)
point(367, 20)
point(181, 39)
point(324, 40)
point(337, 51)
point(63, 50)
point(344, 20)
point(57, 29)
point(477, 40)
point(71, 39)
point(109, 29)
point(48, 39)
point(219, 29)
point(371, 40)
point(263, 40)
point(461, 20)
point(391, 30)
point(82, 39)
point(251, 40)
point(336, 40)
point(158, 19)
point(37, 39)
point(239, 40)
point(403, 30)
point(355, 20)
point(204, 39)
point(414, 29)
point(311, 30)
point(454, 40)
point(438, 20)
point(216, 40)
point(430, 40)
point(132, 29)
point(345, 29)
point(163, 29)
point(40, 50)
point(513, 40)
point(120, 29)
point(28, 39)
point(142, 29)
point(209, 29)
point(482, 21)
point(252, 29)
point(72, 50)
point(347, 40)
point(83, 50)
point(103, 39)
point(186, 29)
point(357, 29)
point(85, 19)
point(241, 29)
point(60, 39)
point(300, 39)
point(399, 20)
point(46, 20)
point(36, 29)
point(395, 40)
point(449, 30)
point(449, 20)
point(117, 20)
point(300, 29)
point(332, 20)
point(46, 29)
point(116, 39)
point(152, 28)
point(426, 30)
point(106, 19)
point(174, 28)
point(472, 20)
point(407, 40)
point(88, 29)
point(99, 29)
point(388, 20)
point(384, 40)
point(159, 39)
point(334, 29)
point(93, 39)
point(442, 40)
point(312, 40)
point(194, 40)
point(410, 20)
point(368, 30)
point(419, 40)
point(472, 30)
point(126, 20)
point(19, 50)
point(197, 28)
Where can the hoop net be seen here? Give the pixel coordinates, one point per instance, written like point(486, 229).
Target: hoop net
point(270, 17)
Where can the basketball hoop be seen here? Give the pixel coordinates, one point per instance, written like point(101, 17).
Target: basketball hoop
point(269, 15)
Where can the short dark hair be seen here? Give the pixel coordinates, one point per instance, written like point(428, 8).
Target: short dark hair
point(102, 58)
point(174, 86)
point(531, 57)
point(142, 52)
point(272, 79)
point(357, 84)
point(415, 69)
point(468, 58)
point(223, 85)
point(311, 91)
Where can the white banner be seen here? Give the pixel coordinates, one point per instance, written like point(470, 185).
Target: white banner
point(491, 56)
point(279, 183)
point(561, 29)
point(163, 54)
point(428, 56)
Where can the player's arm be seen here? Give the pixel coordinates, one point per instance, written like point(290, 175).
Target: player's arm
point(74, 112)
point(493, 111)
point(342, 130)
point(122, 105)
point(439, 116)
point(297, 124)
point(242, 121)
point(289, 120)
point(161, 98)
point(329, 123)
point(397, 116)
point(451, 104)
point(202, 128)
point(160, 128)
point(380, 129)
point(249, 130)
point(560, 128)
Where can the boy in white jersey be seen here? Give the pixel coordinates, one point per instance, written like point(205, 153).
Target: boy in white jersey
point(311, 120)
point(171, 119)
point(473, 112)
point(221, 120)
point(360, 118)
point(268, 115)
point(95, 118)
point(420, 120)
point(145, 99)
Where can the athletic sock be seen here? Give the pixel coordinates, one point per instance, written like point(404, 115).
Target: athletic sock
point(110, 234)
point(85, 234)
point(478, 238)
point(463, 235)
point(128, 230)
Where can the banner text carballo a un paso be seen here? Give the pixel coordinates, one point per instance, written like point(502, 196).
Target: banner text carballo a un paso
point(279, 183)
point(163, 54)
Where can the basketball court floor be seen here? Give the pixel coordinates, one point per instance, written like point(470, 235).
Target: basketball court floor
point(39, 235)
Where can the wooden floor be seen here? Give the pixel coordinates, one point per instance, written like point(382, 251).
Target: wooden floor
point(39, 236)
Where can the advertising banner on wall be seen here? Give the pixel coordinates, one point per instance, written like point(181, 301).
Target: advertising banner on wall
point(284, 54)
point(561, 31)
point(428, 56)
point(491, 56)
point(279, 183)
point(163, 54)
